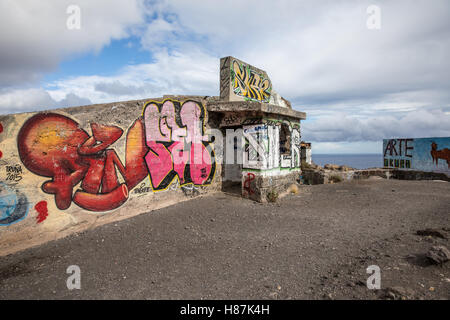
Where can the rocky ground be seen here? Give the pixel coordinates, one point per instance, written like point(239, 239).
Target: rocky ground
point(316, 244)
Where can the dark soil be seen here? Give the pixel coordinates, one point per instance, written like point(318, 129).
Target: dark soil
point(313, 245)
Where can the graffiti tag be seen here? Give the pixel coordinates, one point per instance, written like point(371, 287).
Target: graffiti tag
point(247, 183)
point(14, 173)
point(249, 84)
point(177, 145)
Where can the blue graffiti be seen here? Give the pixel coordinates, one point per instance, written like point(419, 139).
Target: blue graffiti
point(13, 205)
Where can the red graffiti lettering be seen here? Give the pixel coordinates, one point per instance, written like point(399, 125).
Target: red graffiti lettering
point(53, 145)
point(41, 208)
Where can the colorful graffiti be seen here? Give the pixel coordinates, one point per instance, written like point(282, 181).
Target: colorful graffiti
point(249, 84)
point(424, 154)
point(13, 205)
point(168, 142)
point(177, 145)
point(53, 145)
point(271, 146)
point(256, 147)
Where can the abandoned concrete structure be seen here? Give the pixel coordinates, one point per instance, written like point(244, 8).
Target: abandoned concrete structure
point(67, 170)
point(271, 130)
point(305, 148)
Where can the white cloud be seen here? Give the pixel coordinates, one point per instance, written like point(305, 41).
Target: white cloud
point(344, 127)
point(319, 53)
point(346, 147)
point(355, 84)
point(25, 100)
point(35, 39)
point(190, 72)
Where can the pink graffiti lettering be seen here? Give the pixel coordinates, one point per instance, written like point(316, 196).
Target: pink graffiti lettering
point(178, 146)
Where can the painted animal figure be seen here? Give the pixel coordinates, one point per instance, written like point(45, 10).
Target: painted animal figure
point(443, 154)
point(54, 146)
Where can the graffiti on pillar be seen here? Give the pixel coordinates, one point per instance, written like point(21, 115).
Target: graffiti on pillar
point(178, 147)
point(54, 146)
point(248, 183)
point(256, 146)
point(249, 84)
point(295, 148)
point(272, 145)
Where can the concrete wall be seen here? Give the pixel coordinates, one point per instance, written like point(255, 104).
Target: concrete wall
point(424, 154)
point(323, 176)
point(72, 169)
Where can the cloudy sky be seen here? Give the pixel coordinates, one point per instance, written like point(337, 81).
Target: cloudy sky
point(358, 85)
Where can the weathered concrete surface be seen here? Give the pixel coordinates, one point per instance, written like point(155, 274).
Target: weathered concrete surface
point(254, 106)
point(41, 159)
point(325, 175)
point(313, 245)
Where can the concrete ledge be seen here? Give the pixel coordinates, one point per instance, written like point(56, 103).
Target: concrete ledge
point(240, 106)
point(323, 176)
point(419, 175)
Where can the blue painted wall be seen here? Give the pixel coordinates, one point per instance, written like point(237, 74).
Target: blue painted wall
point(423, 154)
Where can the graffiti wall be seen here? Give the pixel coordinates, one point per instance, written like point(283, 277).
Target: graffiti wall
point(65, 170)
point(271, 145)
point(424, 154)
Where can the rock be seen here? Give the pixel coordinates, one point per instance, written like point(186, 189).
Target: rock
point(331, 167)
point(361, 283)
point(431, 232)
point(293, 189)
point(328, 296)
point(438, 254)
point(396, 293)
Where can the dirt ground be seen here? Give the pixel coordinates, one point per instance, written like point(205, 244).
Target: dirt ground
point(316, 244)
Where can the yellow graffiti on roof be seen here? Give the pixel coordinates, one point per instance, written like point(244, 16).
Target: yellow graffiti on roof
point(249, 84)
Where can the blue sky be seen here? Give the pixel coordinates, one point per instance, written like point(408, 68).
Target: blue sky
point(357, 85)
point(105, 63)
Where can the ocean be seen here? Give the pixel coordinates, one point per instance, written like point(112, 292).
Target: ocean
point(357, 161)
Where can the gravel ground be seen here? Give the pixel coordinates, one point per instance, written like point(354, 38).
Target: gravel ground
point(316, 244)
